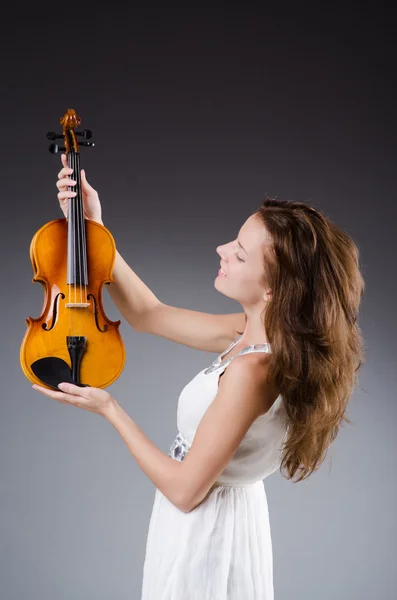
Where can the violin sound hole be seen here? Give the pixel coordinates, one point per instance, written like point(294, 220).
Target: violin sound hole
point(105, 328)
point(54, 312)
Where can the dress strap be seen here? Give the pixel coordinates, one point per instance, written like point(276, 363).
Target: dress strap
point(217, 365)
point(218, 360)
point(229, 348)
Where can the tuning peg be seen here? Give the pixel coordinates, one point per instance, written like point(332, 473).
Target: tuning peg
point(54, 148)
point(88, 144)
point(53, 136)
point(87, 133)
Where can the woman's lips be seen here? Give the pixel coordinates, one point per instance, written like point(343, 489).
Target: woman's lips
point(220, 273)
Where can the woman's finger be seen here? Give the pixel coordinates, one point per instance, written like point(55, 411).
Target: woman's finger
point(66, 195)
point(76, 390)
point(76, 393)
point(64, 172)
point(59, 396)
point(84, 183)
point(63, 183)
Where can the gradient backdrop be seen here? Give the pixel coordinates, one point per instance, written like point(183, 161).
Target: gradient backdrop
point(196, 114)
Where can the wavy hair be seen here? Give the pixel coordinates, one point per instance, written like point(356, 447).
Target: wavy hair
point(312, 268)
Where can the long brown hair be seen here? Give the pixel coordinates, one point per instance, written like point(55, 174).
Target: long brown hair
point(312, 268)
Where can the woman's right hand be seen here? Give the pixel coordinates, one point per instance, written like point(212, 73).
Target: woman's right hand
point(91, 203)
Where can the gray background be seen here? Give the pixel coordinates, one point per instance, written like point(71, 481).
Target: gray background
point(195, 117)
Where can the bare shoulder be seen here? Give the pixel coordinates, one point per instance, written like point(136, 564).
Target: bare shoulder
point(248, 376)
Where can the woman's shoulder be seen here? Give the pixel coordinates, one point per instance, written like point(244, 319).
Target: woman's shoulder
point(253, 369)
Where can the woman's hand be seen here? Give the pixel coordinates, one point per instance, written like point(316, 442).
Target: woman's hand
point(92, 399)
point(91, 203)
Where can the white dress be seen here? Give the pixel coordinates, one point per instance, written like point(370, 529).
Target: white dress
point(222, 549)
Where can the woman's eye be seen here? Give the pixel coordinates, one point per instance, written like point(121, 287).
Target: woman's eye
point(240, 259)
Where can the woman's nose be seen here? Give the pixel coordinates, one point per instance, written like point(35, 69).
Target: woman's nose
point(222, 251)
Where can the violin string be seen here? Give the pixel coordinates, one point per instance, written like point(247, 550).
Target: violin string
point(78, 250)
point(70, 204)
point(84, 238)
point(82, 255)
point(84, 242)
point(78, 199)
point(77, 229)
point(71, 250)
point(74, 250)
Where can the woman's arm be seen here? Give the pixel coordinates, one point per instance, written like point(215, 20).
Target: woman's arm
point(162, 470)
point(132, 296)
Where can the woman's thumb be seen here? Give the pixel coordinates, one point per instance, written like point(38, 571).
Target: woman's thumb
point(84, 177)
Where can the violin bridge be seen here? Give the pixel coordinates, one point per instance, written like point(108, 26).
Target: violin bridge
point(77, 304)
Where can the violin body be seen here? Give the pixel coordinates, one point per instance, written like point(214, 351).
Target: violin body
point(72, 340)
point(104, 356)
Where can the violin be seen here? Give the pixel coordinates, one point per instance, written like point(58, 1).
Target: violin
point(72, 340)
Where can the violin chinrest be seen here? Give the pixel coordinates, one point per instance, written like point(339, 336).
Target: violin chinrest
point(52, 370)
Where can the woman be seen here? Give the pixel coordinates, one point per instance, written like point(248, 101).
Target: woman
point(274, 397)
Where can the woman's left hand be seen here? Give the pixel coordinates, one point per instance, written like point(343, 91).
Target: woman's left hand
point(90, 398)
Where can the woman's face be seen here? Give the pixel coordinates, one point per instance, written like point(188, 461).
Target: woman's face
point(242, 260)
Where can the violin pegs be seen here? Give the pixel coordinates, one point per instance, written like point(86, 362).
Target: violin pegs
point(87, 133)
point(54, 148)
point(51, 135)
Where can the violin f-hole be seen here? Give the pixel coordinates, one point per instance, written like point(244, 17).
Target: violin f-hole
point(54, 312)
point(96, 314)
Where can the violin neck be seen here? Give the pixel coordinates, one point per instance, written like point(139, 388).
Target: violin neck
point(77, 245)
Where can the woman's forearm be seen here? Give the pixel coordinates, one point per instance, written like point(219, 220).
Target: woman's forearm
point(132, 296)
point(162, 470)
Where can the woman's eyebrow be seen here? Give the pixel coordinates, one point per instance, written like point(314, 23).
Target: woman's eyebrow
point(242, 247)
